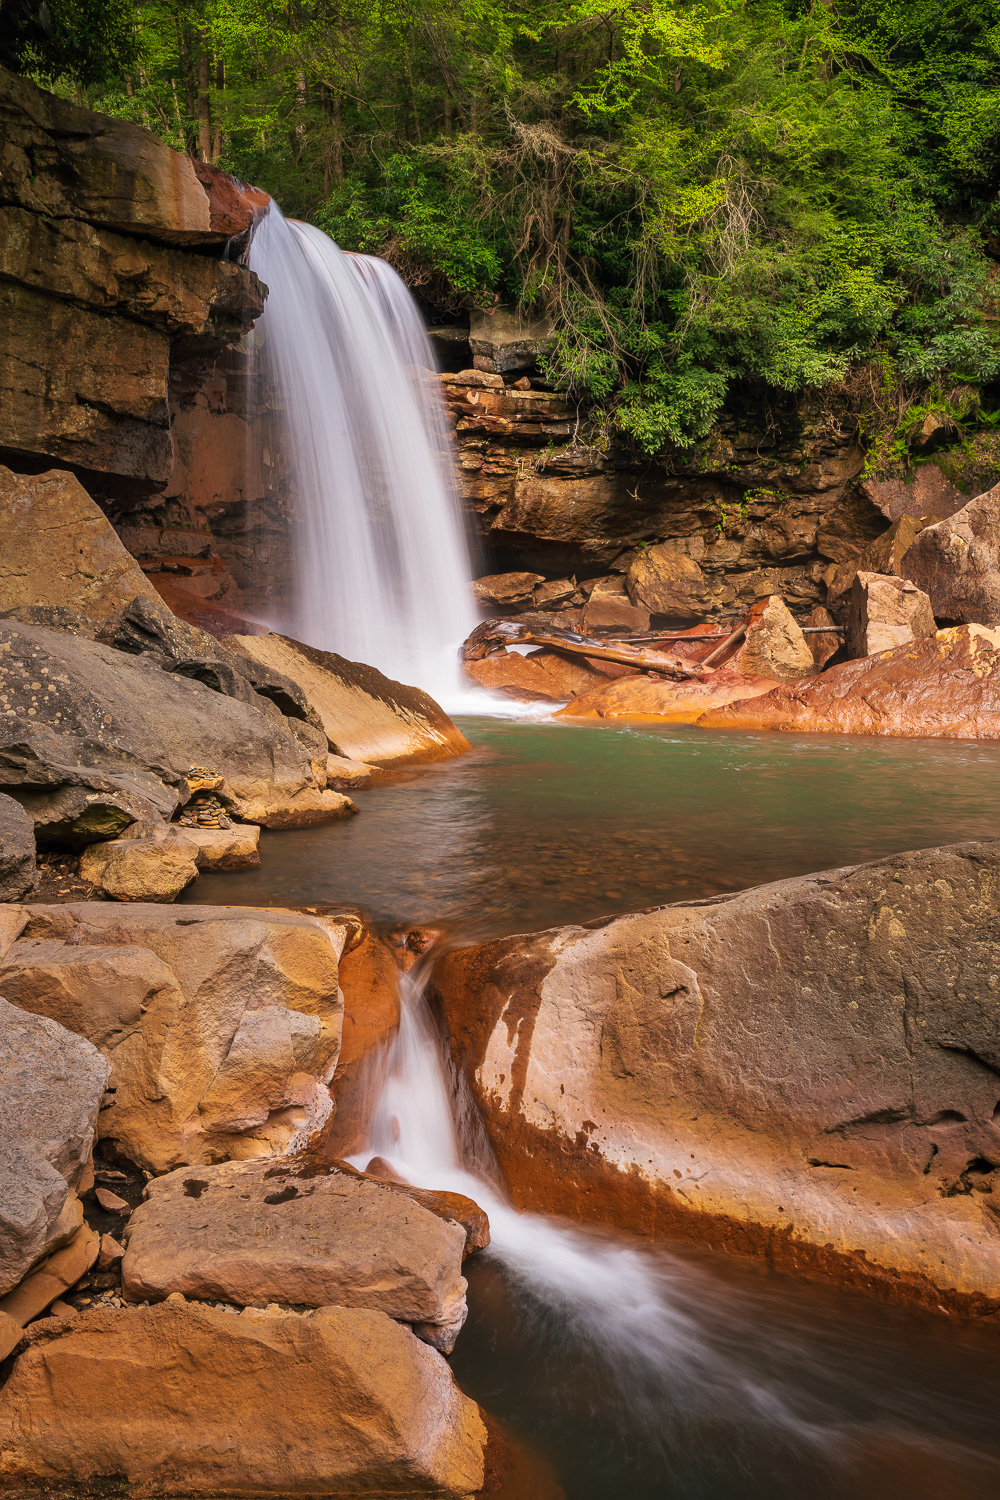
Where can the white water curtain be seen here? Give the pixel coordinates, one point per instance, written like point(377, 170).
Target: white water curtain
point(382, 564)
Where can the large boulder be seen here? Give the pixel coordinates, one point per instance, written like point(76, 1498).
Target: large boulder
point(60, 549)
point(540, 677)
point(18, 870)
point(648, 698)
point(946, 686)
point(665, 581)
point(928, 496)
point(774, 645)
point(181, 1399)
point(885, 612)
point(143, 869)
point(365, 715)
point(884, 555)
point(78, 717)
point(807, 1070)
point(957, 563)
point(295, 1232)
point(610, 608)
point(51, 1086)
point(221, 1024)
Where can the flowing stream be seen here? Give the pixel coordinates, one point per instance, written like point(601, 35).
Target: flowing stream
point(660, 1375)
point(382, 562)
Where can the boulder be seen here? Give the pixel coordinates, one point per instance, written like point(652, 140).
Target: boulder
point(648, 698)
point(928, 496)
point(301, 1233)
point(182, 1399)
point(51, 1086)
point(807, 1070)
point(221, 1024)
point(148, 869)
point(610, 608)
point(60, 549)
point(78, 717)
point(18, 871)
point(946, 686)
point(347, 774)
point(233, 848)
point(885, 612)
point(884, 555)
point(773, 645)
point(666, 581)
point(957, 563)
point(506, 588)
point(455, 1207)
point(365, 715)
point(540, 677)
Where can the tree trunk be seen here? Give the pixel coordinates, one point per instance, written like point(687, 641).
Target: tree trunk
point(204, 107)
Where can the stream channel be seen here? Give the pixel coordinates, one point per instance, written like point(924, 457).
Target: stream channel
point(642, 1373)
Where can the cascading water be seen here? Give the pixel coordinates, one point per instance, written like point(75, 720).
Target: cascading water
point(382, 562)
point(623, 1311)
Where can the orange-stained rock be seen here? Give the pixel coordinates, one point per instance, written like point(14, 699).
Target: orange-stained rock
point(655, 698)
point(233, 206)
point(806, 1070)
point(181, 1399)
point(540, 677)
point(255, 1232)
point(453, 1206)
point(884, 555)
point(827, 644)
point(506, 588)
point(369, 981)
point(774, 645)
point(947, 686)
point(957, 563)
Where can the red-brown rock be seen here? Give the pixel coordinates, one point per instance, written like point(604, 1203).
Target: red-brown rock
point(540, 677)
point(645, 697)
point(947, 686)
point(928, 496)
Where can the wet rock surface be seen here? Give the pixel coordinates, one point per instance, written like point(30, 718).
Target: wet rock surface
point(647, 698)
point(947, 686)
point(806, 1070)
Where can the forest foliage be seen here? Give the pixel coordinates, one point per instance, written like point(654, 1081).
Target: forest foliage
point(701, 193)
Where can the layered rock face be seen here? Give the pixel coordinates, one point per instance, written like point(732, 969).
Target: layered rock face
point(221, 1024)
point(100, 289)
point(807, 1070)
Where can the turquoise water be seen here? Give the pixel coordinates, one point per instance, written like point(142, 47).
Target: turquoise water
point(547, 823)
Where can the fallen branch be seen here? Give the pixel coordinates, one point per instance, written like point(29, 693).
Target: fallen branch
point(495, 633)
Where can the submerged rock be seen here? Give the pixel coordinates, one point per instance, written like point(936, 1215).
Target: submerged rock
point(51, 1086)
point(301, 1233)
point(365, 715)
point(182, 1399)
point(221, 1024)
point(808, 1070)
point(946, 686)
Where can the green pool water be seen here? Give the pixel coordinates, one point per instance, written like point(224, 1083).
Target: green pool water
point(547, 823)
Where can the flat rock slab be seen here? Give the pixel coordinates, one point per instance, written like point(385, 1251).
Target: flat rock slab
point(646, 698)
point(946, 686)
point(260, 1232)
point(51, 1086)
point(181, 1399)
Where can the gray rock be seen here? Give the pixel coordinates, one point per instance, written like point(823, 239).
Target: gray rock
point(18, 871)
point(77, 714)
point(51, 1086)
point(957, 563)
point(884, 612)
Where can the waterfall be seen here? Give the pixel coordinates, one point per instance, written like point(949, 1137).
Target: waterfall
point(630, 1315)
point(381, 560)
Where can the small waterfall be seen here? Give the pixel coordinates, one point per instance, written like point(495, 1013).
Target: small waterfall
point(382, 564)
point(633, 1317)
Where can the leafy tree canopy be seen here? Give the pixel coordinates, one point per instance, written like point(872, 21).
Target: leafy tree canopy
point(700, 192)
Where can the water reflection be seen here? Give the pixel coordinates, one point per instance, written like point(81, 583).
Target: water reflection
point(547, 823)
